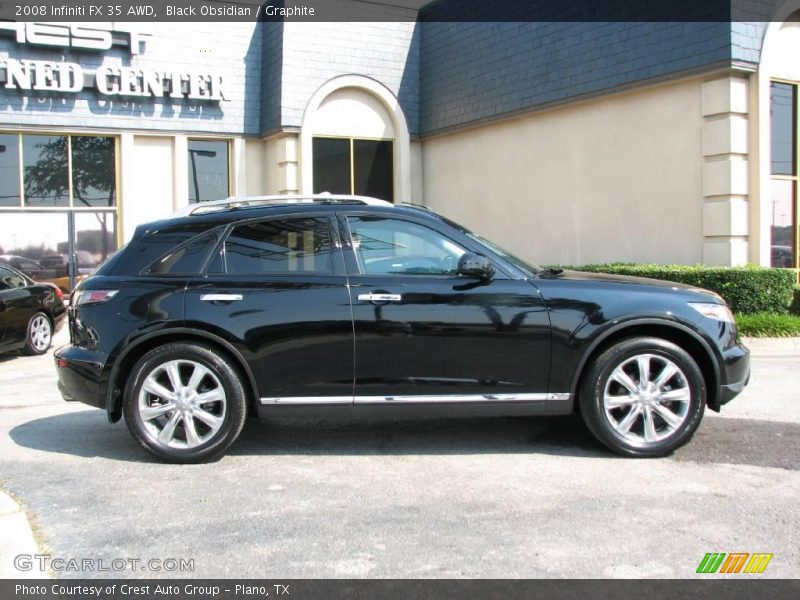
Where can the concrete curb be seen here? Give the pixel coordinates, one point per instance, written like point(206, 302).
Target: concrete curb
point(17, 539)
point(789, 346)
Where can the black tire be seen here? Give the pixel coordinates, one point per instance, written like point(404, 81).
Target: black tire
point(39, 328)
point(223, 378)
point(687, 386)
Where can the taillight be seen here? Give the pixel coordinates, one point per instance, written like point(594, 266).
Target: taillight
point(59, 293)
point(83, 297)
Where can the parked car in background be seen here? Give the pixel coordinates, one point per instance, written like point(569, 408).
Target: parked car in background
point(28, 266)
point(782, 257)
point(30, 312)
point(341, 305)
point(55, 269)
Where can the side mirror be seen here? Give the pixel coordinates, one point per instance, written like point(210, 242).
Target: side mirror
point(476, 266)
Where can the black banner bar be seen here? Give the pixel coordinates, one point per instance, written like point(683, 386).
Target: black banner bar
point(741, 587)
point(390, 10)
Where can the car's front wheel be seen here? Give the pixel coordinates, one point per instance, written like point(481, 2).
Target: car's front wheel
point(184, 402)
point(643, 397)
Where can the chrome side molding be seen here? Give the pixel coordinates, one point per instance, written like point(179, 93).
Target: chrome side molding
point(417, 399)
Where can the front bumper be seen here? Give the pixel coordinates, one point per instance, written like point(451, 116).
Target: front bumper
point(736, 375)
point(80, 375)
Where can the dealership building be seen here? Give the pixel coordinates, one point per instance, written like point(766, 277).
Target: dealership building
point(566, 142)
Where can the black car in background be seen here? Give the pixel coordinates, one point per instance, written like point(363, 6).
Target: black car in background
point(340, 305)
point(30, 312)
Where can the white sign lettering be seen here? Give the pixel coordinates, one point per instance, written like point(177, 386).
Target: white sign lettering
point(43, 75)
point(84, 36)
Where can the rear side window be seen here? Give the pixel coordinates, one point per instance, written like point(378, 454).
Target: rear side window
point(188, 259)
point(10, 280)
point(280, 246)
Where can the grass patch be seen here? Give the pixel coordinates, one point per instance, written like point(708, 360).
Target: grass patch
point(768, 325)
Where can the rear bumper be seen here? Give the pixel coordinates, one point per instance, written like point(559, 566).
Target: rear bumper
point(80, 376)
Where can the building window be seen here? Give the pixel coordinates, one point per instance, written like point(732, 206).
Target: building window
point(209, 170)
point(57, 171)
point(784, 170)
point(354, 166)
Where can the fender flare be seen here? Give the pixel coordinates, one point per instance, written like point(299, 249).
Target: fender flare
point(114, 403)
point(607, 333)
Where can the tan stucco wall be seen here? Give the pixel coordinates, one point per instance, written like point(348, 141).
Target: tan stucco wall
point(612, 179)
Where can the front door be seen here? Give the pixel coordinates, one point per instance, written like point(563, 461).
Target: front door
point(278, 292)
point(424, 334)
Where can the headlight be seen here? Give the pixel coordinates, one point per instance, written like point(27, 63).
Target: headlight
point(718, 312)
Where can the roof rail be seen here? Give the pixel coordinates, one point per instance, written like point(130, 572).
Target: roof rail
point(250, 201)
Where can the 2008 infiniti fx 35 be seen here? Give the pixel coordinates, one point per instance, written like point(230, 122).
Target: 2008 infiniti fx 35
point(331, 305)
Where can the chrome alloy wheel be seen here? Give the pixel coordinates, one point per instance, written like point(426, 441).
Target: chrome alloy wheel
point(182, 404)
point(40, 333)
point(646, 398)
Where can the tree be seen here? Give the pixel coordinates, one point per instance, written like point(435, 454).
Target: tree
point(93, 175)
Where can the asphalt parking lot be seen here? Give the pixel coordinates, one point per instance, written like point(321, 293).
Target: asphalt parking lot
point(408, 499)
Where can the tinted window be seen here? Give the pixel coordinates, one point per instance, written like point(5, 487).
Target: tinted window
point(279, 246)
point(782, 109)
point(394, 247)
point(9, 170)
point(10, 280)
point(189, 258)
point(332, 166)
point(45, 160)
point(208, 170)
point(373, 169)
point(93, 171)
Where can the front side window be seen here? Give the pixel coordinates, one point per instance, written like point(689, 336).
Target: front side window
point(209, 173)
point(354, 166)
point(385, 246)
point(290, 246)
point(784, 169)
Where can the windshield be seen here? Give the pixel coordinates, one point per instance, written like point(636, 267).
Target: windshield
point(526, 267)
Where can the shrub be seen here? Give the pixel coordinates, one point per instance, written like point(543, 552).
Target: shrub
point(747, 290)
point(795, 309)
point(768, 325)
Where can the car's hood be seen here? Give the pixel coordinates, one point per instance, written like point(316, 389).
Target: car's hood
point(629, 280)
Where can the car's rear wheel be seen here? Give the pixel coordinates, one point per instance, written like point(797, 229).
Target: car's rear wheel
point(184, 402)
point(643, 397)
point(39, 335)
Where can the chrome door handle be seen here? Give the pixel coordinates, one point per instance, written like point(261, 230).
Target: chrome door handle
point(221, 297)
point(373, 297)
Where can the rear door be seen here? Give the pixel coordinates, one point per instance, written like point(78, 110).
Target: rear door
point(277, 290)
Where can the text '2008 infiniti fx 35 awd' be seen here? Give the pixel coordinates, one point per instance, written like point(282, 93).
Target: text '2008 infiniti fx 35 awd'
point(341, 305)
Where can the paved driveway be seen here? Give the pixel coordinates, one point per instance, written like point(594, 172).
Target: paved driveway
point(460, 498)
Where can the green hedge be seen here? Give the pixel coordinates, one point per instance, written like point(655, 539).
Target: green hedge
point(768, 325)
point(747, 290)
point(796, 304)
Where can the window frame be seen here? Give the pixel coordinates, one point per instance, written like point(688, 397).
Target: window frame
point(794, 178)
point(337, 257)
point(229, 165)
point(503, 271)
point(352, 140)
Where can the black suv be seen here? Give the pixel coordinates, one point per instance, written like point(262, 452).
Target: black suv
point(340, 305)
